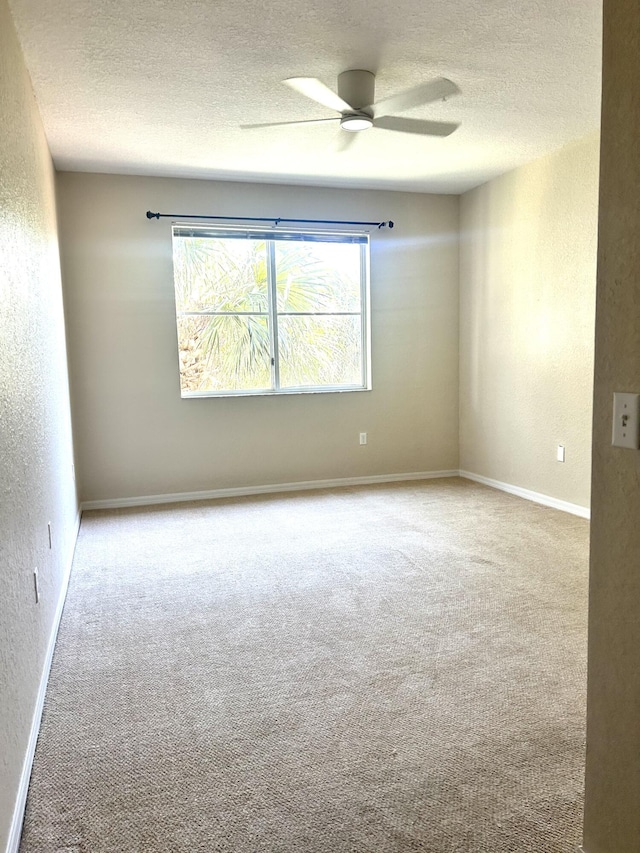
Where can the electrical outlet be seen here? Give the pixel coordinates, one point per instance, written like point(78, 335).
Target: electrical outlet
point(36, 585)
point(363, 438)
point(560, 453)
point(50, 535)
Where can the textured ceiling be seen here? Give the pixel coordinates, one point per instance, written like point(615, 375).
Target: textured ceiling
point(160, 87)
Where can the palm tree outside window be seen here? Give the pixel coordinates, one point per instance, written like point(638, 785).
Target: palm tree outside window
point(264, 312)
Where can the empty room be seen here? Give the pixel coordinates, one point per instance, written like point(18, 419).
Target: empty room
point(319, 427)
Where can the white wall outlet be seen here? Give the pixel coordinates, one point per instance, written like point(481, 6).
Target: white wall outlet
point(626, 421)
point(560, 453)
point(363, 438)
point(36, 585)
point(50, 535)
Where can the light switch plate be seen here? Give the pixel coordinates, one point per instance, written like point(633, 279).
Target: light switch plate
point(626, 421)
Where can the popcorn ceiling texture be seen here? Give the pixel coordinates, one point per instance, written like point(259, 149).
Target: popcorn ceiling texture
point(141, 87)
point(36, 484)
point(527, 316)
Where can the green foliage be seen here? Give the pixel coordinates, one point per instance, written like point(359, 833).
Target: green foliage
point(231, 350)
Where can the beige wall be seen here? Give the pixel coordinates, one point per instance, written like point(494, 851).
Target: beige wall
point(136, 436)
point(527, 299)
point(36, 484)
point(612, 807)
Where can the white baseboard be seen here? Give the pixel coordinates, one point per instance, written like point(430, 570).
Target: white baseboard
point(536, 497)
point(212, 494)
point(15, 830)
point(341, 482)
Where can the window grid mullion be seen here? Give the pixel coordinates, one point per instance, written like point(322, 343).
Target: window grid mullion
point(272, 281)
point(319, 313)
point(223, 314)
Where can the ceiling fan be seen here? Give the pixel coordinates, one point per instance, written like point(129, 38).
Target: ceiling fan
point(355, 102)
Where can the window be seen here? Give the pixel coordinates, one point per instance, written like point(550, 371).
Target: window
point(270, 312)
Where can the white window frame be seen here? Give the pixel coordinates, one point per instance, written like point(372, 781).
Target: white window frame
point(220, 231)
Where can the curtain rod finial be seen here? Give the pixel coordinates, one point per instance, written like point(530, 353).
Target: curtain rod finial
point(151, 215)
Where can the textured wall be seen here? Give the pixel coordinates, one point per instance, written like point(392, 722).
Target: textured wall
point(527, 299)
point(36, 484)
point(135, 436)
point(612, 809)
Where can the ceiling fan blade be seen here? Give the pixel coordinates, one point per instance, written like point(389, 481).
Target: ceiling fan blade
point(415, 125)
point(425, 93)
point(315, 89)
point(286, 123)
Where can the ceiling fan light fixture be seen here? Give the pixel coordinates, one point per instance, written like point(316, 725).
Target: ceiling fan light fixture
point(355, 123)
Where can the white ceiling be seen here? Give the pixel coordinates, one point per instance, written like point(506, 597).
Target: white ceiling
point(159, 87)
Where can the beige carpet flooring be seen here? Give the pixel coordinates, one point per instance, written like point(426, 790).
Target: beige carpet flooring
point(370, 670)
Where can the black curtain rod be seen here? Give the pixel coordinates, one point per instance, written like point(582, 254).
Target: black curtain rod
point(275, 220)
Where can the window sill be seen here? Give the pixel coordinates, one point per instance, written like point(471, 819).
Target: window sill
point(197, 395)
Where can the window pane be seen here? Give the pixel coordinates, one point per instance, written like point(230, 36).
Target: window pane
point(224, 353)
point(220, 275)
point(317, 351)
point(315, 276)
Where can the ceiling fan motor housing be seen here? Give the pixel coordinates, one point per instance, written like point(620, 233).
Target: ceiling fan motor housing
point(358, 89)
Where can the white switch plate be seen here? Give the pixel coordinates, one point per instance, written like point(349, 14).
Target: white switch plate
point(363, 438)
point(560, 453)
point(626, 421)
point(36, 585)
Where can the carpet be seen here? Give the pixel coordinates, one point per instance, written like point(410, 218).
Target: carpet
point(380, 669)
